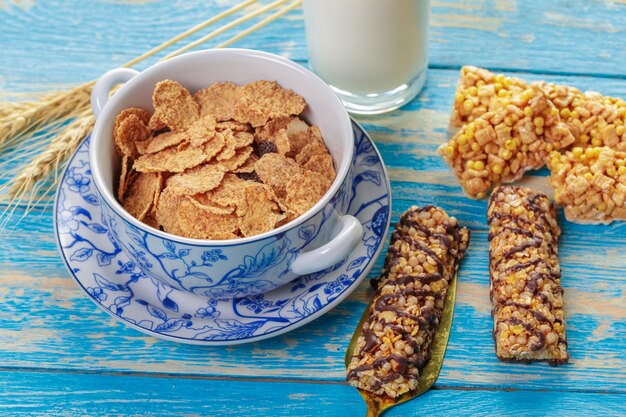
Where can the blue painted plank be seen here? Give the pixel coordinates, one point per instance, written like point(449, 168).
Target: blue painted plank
point(60, 394)
point(575, 37)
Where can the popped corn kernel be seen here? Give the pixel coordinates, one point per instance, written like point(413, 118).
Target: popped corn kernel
point(577, 151)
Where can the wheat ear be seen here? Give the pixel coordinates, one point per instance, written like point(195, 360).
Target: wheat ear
point(35, 114)
point(61, 146)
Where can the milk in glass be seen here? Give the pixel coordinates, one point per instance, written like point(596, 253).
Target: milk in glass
point(374, 53)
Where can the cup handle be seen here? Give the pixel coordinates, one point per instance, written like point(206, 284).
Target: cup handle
point(104, 84)
point(334, 251)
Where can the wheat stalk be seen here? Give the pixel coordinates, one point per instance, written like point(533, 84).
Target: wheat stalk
point(19, 121)
point(50, 160)
point(189, 32)
point(8, 107)
point(60, 147)
point(226, 27)
point(30, 115)
point(17, 118)
point(260, 24)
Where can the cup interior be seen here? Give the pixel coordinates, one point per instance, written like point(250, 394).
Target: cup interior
point(199, 69)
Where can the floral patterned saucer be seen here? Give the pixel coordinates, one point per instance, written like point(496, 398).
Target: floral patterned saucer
point(121, 289)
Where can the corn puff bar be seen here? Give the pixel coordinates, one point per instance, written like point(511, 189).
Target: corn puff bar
point(515, 136)
point(590, 184)
point(594, 120)
point(423, 256)
point(525, 277)
point(475, 91)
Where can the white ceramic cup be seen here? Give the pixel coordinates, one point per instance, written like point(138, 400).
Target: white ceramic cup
point(319, 239)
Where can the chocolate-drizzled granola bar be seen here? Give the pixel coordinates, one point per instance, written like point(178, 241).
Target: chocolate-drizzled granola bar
point(423, 256)
point(525, 276)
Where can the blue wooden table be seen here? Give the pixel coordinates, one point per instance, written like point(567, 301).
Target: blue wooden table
point(61, 355)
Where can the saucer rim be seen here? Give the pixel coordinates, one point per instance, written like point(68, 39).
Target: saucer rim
point(273, 333)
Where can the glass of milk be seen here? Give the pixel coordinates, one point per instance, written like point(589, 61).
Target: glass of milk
point(373, 53)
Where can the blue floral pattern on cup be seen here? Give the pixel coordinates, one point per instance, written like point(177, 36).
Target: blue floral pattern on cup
point(185, 267)
point(126, 289)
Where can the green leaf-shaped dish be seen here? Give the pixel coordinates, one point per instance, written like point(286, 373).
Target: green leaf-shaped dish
point(377, 404)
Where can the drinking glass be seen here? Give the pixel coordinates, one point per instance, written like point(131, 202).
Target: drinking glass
point(373, 53)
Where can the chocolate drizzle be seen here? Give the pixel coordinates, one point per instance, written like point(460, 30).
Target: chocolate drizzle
point(371, 341)
point(421, 278)
point(534, 347)
point(516, 230)
point(539, 316)
point(532, 243)
point(387, 302)
point(520, 266)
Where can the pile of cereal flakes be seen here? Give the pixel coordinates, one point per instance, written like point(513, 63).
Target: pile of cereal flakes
point(229, 161)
